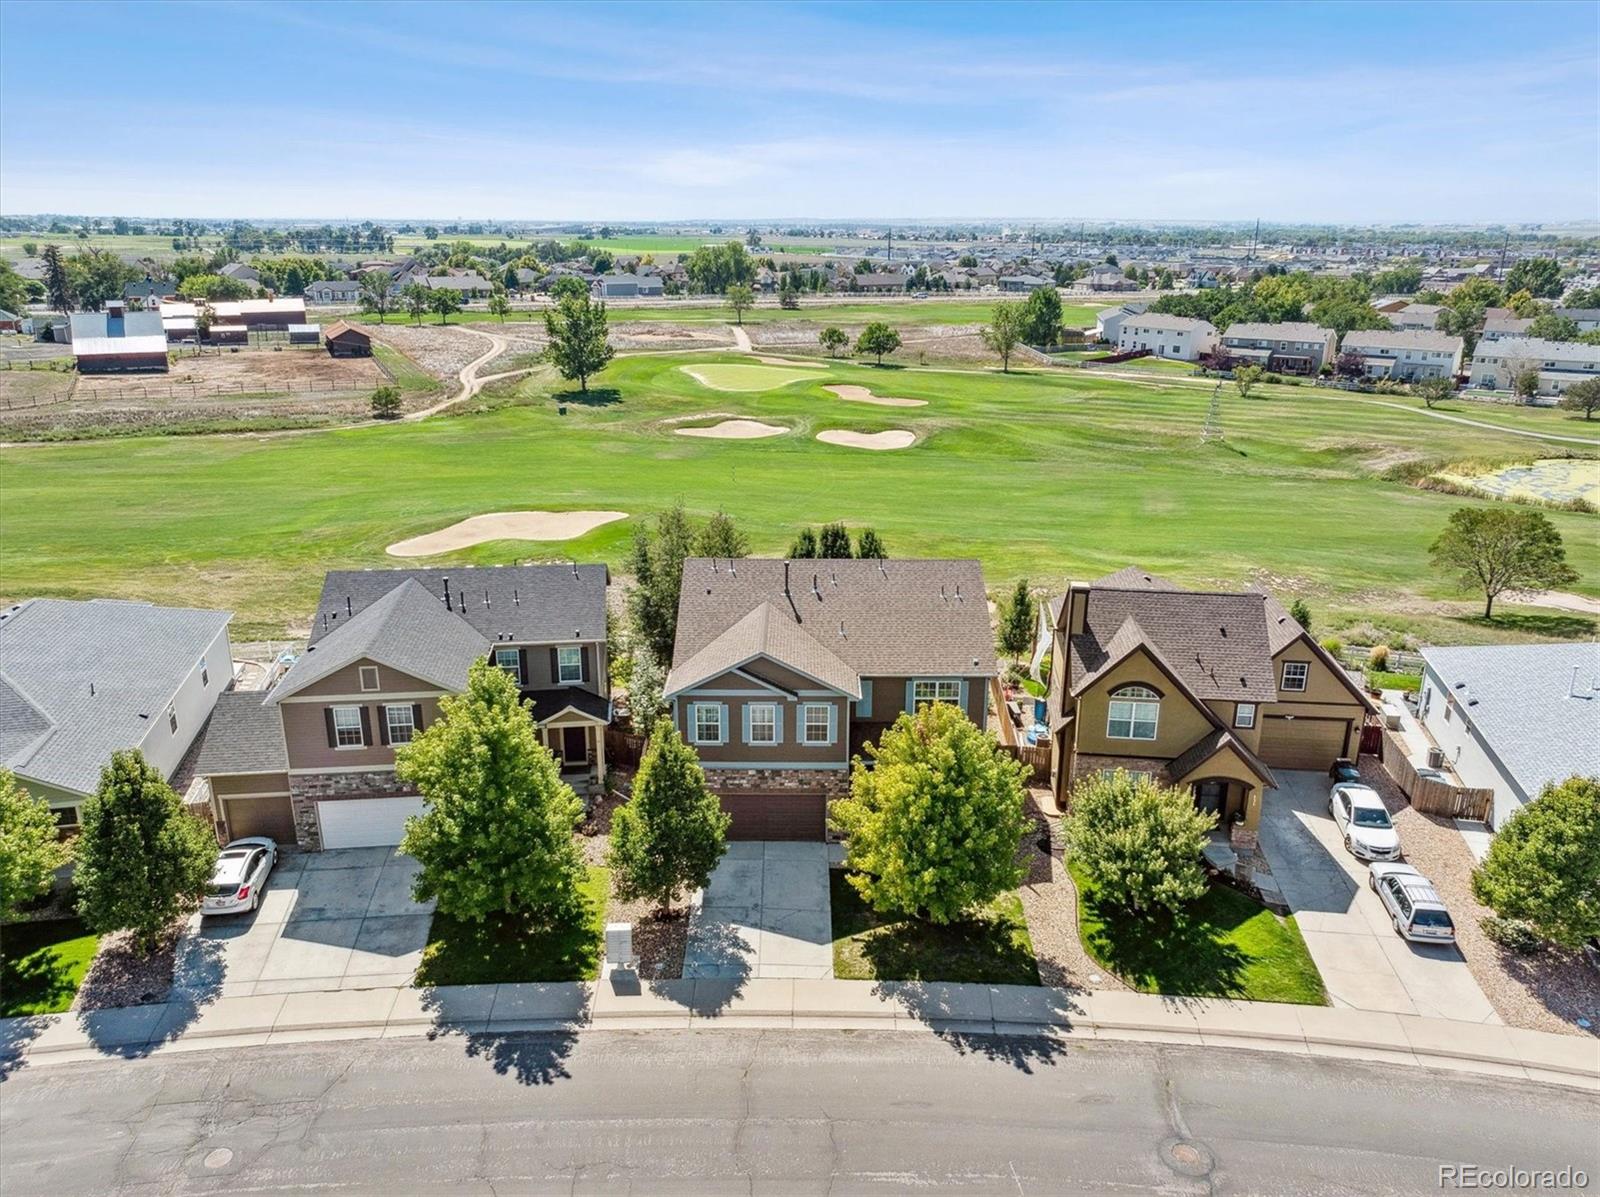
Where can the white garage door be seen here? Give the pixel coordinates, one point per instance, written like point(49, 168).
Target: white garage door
point(365, 822)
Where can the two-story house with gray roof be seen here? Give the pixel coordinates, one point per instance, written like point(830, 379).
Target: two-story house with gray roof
point(1288, 347)
point(784, 670)
point(312, 760)
point(1409, 355)
point(1558, 364)
point(81, 680)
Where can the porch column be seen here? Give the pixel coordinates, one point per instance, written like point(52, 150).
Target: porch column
point(1252, 807)
point(599, 755)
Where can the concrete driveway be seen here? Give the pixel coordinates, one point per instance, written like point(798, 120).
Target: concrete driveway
point(1364, 963)
point(341, 919)
point(766, 913)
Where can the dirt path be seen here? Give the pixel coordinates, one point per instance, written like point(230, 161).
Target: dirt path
point(741, 339)
point(468, 377)
point(1555, 599)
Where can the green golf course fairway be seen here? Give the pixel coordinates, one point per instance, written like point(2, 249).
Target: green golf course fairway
point(1047, 475)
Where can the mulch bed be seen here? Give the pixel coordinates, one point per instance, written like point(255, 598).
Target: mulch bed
point(120, 976)
point(658, 939)
point(1050, 904)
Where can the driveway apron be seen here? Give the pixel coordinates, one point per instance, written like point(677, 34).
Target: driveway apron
point(765, 913)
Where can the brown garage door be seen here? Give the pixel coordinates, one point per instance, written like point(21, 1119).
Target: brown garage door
point(260, 816)
point(1302, 743)
point(776, 816)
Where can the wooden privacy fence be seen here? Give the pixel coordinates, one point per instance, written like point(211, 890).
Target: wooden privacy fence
point(623, 748)
point(1432, 795)
point(1036, 756)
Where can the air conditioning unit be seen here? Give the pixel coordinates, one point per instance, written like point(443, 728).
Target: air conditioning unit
point(1436, 758)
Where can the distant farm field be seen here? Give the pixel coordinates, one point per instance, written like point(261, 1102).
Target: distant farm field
point(1047, 475)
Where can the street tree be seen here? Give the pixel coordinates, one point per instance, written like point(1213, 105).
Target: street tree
point(1543, 866)
point(1540, 277)
point(670, 834)
point(143, 860)
point(878, 339)
point(740, 297)
point(580, 338)
point(30, 846)
point(377, 293)
point(1138, 840)
point(1017, 619)
point(834, 340)
point(1003, 333)
point(933, 827)
point(1582, 396)
point(495, 835)
point(1495, 549)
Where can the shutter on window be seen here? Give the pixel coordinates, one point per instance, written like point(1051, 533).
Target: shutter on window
point(724, 723)
point(383, 724)
point(555, 666)
point(366, 726)
point(833, 724)
point(911, 703)
point(864, 705)
point(746, 720)
point(416, 716)
point(584, 672)
point(333, 736)
point(777, 723)
point(522, 665)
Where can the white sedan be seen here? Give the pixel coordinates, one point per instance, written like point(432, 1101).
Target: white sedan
point(1364, 821)
point(240, 876)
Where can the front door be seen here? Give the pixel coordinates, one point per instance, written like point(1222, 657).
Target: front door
point(1211, 796)
point(574, 746)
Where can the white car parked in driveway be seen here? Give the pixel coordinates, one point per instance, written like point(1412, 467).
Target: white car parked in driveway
point(1364, 822)
point(1414, 906)
point(240, 876)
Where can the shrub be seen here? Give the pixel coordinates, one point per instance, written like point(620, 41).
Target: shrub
point(1543, 867)
point(30, 850)
point(1301, 613)
point(1331, 646)
point(1511, 934)
point(1139, 841)
point(386, 403)
point(1378, 657)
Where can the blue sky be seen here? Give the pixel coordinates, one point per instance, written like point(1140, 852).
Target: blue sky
point(1349, 112)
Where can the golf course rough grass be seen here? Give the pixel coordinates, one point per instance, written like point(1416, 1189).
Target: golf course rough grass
point(732, 376)
point(1553, 480)
point(1049, 475)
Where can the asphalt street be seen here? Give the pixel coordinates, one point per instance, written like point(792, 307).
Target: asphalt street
point(708, 1112)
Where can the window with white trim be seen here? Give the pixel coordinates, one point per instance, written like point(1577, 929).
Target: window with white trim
point(1134, 713)
point(347, 727)
point(763, 720)
point(817, 724)
point(172, 720)
point(402, 724)
point(569, 664)
point(205, 674)
point(66, 816)
point(926, 690)
point(707, 723)
point(369, 677)
point(1295, 674)
point(1244, 714)
point(510, 660)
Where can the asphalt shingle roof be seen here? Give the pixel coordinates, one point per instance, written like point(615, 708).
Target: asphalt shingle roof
point(242, 736)
point(81, 680)
point(1409, 338)
point(1288, 330)
point(765, 632)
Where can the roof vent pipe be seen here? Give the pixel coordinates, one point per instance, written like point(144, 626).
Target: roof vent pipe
point(348, 609)
point(447, 606)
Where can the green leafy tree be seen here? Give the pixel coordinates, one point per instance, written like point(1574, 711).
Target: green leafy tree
point(500, 305)
point(415, 296)
point(1003, 333)
point(1540, 277)
point(143, 861)
point(804, 547)
point(377, 295)
point(495, 836)
point(834, 543)
point(30, 849)
point(833, 340)
point(442, 302)
point(57, 286)
point(580, 338)
point(1495, 549)
point(869, 545)
point(1348, 315)
point(721, 538)
point(1017, 619)
point(878, 339)
point(1397, 280)
point(1550, 327)
point(668, 837)
point(740, 298)
point(1543, 867)
point(1300, 613)
point(1039, 322)
point(1433, 391)
point(657, 567)
point(1524, 305)
point(1525, 383)
point(933, 828)
point(13, 290)
point(567, 285)
point(214, 286)
point(1582, 396)
point(1139, 841)
point(1245, 379)
point(30, 249)
point(646, 679)
point(386, 402)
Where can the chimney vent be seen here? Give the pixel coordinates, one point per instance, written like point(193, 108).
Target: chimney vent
point(348, 608)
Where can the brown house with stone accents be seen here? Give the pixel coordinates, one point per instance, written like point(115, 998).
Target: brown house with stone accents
point(312, 760)
point(782, 670)
point(1207, 690)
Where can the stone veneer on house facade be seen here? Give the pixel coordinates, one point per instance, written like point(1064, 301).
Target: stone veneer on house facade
point(308, 789)
point(832, 782)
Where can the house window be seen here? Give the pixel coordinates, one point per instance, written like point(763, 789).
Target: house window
point(402, 724)
point(66, 816)
point(1244, 714)
point(1134, 713)
point(569, 664)
point(1295, 674)
point(818, 724)
point(172, 720)
point(707, 722)
point(369, 677)
point(510, 659)
point(347, 727)
point(926, 690)
point(205, 676)
point(763, 718)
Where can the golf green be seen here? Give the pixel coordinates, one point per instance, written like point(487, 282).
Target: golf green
point(729, 376)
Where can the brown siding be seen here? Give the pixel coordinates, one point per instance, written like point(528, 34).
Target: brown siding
point(346, 682)
point(542, 676)
point(305, 730)
point(788, 751)
point(889, 699)
point(250, 783)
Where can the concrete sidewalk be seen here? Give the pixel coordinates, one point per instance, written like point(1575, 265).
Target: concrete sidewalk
point(944, 1010)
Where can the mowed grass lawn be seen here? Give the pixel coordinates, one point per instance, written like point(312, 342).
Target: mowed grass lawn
point(1224, 945)
point(993, 948)
point(42, 964)
point(1044, 474)
point(461, 952)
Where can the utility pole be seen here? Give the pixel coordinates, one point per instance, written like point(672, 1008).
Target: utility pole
point(891, 243)
point(1254, 237)
point(1504, 245)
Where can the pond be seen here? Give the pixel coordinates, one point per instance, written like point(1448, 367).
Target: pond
point(1556, 480)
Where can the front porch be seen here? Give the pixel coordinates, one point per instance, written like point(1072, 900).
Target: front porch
point(572, 725)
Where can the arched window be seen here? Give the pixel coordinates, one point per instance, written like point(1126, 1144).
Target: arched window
point(1134, 713)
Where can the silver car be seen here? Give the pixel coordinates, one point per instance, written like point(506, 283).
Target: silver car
point(1415, 907)
point(240, 876)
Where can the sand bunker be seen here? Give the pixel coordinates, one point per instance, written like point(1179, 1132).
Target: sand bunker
point(862, 395)
point(895, 438)
point(734, 430)
point(505, 525)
